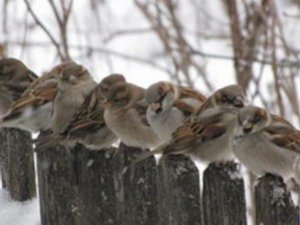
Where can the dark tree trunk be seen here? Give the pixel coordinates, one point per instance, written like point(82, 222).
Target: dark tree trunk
point(136, 189)
point(17, 164)
point(223, 196)
point(273, 203)
point(178, 191)
point(57, 178)
point(97, 199)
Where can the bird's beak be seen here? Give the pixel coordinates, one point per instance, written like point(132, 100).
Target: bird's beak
point(247, 127)
point(239, 102)
point(156, 107)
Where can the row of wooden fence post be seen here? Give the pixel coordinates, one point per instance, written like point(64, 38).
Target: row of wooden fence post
point(82, 187)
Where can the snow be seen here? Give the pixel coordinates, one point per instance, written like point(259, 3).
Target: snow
point(18, 213)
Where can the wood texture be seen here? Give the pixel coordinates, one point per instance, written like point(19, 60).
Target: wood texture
point(17, 164)
point(136, 189)
point(273, 203)
point(57, 178)
point(178, 191)
point(223, 195)
point(97, 199)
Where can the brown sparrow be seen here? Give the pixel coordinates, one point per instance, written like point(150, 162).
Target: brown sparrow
point(33, 110)
point(125, 112)
point(15, 78)
point(266, 143)
point(169, 106)
point(207, 134)
point(88, 126)
point(74, 84)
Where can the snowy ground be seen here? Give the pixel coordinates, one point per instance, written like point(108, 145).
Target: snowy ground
point(18, 213)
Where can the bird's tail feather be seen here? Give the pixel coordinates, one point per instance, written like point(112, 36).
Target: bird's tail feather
point(48, 141)
point(159, 150)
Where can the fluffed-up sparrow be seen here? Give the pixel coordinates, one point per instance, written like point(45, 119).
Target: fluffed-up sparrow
point(125, 112)
point(169, 106)
point(88, 126)
point(207, 134)
point(75, 83)
point(33, 110)
point(266, 143)
point(15, 78)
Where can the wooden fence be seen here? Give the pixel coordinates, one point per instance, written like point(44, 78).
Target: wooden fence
point(82, 187)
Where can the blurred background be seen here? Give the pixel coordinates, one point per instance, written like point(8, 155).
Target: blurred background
point(199, 43)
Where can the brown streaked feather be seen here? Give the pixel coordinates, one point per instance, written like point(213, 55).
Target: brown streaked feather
point(279, 120)
point(203, 129)
point(190, 93)
point(39, 82)
point(211, 132)
point(89, 117)
point(184, 107)
point(36, 97)
point(208, 103)
point(32, 76)
point(284, 137)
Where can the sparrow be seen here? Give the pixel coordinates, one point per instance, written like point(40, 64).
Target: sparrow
point(75, 83)
point(266, 143)
point(88, 126)
point(15, 78)
point(207, 134)
point(125, 112)
point(169, 106)
point(33, 110)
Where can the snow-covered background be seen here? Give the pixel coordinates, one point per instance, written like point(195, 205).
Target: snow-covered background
point(113, 36)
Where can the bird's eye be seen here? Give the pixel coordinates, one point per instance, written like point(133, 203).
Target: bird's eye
point(161, 97)
point(238, 102)
point(104, 89)
point(256, 119)
point(224, 99)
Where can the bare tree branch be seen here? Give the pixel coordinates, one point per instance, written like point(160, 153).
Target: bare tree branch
point(43, 27)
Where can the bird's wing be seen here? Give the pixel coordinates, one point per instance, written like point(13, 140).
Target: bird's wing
point(34, 98)
point(190, 93)
point(197, 131)
point(285, 137)
point(88, 118)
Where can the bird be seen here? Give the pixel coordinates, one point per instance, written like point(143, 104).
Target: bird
point(267, 143)
point(206, 135)
point(125, 112)
point(169, 106)
point(75, 83)
point(87, 126)
point(15, 78)
point(33, 110)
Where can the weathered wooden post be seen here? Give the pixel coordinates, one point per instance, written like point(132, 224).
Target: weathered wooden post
point(57, 179)
point(97, 198)
point(178, 191)
point(17, 164)
point(273, 203)
point(136, 189)
point(223, 195)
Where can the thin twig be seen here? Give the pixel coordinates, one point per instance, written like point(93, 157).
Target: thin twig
point(42, 26)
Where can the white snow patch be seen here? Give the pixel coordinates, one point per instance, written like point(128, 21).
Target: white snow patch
point(90, 163)
point(20, 213)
